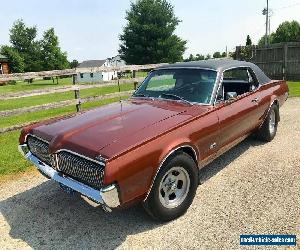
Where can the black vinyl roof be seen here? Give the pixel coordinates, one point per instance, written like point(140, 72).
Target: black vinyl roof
point(221, 65)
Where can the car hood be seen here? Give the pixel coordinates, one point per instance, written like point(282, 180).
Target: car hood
point(90, 132)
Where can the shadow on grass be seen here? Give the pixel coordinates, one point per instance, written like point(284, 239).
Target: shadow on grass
point(45, 217)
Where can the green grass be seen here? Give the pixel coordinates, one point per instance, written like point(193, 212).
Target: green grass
point(11, 161)
point(294, 89)
point(45, 114)
point(55, 97)
point(37, 84)
point(41, 84)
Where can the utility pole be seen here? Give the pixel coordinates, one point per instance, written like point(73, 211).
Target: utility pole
point(266, 13)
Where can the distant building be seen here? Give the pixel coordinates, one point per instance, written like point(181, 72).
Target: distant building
point(99, 76)
point(3, 65)
point(116, 61)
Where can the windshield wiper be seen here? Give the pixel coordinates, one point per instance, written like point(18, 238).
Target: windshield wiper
point(139, 95)
point(176, 96)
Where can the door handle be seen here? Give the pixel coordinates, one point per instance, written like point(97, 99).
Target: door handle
point(256, 100)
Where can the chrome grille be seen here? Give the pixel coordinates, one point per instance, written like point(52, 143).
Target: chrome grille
point(81, 169)
point(39, 148)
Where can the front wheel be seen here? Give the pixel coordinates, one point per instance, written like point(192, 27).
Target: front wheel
point(173, 189)
point(268, 129)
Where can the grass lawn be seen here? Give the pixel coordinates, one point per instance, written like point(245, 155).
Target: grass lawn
point(55, 97)
point(40, 84)
point(45, 114)
point(37, 84)
point(11, 161)
point(294, 89)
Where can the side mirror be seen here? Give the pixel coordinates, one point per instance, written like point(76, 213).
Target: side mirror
point(230, 96)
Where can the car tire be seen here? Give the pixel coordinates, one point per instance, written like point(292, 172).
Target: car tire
point(268, 129)
point(174, 188)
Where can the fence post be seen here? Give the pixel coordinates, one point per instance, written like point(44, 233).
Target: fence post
point(77, 97)
point(74, 79)
point(285, 59)
point(133, 73)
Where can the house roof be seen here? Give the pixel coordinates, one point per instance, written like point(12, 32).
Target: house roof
point(91, 63)
point(221, 65)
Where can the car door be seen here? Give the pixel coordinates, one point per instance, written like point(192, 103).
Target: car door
point(240, 115)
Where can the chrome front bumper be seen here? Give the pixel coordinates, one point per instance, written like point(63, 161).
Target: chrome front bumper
point(107, 197)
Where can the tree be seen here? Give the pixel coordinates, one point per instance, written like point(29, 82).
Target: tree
point(53, 57)
point(74, 64)
point(286, 32)
point(224, 54)
point(23, 40)
point(149, 35)
point(261, 41)
point(15, 61)
point(217, 55)
point(208, 56)
point(199, 57)
point(29, 54)
point(191, 58)
point(248, 41)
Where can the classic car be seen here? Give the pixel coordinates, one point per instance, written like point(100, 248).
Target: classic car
point(149, 149)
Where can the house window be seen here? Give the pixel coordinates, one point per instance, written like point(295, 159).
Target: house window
point(81, 75)
point(1, 70)
point(91, 75)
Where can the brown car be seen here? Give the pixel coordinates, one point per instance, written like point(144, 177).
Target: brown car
point(150, 148)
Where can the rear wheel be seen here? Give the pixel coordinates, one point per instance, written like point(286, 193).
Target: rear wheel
point(268, 129)
point(173, 189)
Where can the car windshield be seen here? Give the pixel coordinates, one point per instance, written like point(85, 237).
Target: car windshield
point(190, 85)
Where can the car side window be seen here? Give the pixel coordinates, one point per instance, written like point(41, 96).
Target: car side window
point(237, 81)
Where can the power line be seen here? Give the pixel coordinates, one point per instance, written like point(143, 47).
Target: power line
point(288, 6)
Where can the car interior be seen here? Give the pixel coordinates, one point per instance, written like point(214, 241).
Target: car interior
point(193, 88)
point(239, 81)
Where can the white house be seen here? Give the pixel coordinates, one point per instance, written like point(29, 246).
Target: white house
point(99, 76)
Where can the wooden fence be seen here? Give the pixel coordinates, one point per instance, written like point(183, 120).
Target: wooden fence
point(76, 88)
point(69, 72)
point(278, 61)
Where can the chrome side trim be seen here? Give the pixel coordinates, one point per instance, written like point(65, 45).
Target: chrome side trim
point(108, 197)
point(80, 155)
point(164, 159)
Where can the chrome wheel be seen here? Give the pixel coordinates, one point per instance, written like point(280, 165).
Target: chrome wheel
point(174, 187)
point(272, 121)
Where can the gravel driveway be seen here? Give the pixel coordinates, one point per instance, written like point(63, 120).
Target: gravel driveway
point(253, 188)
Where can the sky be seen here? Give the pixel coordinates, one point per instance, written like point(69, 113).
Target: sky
point(89, 29)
